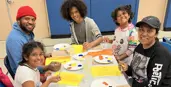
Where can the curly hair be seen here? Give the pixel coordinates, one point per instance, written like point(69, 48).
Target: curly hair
point(28, 48)
point(68, 4)
point(126, 8)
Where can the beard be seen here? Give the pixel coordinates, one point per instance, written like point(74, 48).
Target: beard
point(24, 28)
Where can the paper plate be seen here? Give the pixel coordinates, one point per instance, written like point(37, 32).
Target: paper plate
point(73, 65)
point(104, 59)
point(80, 56)
point(103, 82)
point(62, 46)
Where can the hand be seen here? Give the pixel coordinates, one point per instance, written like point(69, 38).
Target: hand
point(48, 55)
point(117, 57)
point(54, 66)
point(87, 45)
point(123, 66)
point(43, 77)
point(54, 79)
point(47, 73)
point(106, 39)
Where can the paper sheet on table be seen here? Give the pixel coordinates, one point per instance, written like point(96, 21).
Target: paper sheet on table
point(102, 52)
point(68, 78)
point(105, 71)
point(77, 48)
point(61, 59)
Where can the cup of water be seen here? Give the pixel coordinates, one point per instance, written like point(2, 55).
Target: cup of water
point(105, 45)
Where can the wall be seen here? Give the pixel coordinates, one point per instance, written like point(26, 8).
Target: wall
point(152, 7)
point(41, 30)
point(5, 22)
point(146, 7)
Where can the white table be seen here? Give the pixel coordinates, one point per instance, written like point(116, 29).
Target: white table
point(88, 78)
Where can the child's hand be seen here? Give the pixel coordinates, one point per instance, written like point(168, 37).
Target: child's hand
point(48, 73)
point(54, 66)
point(54, 79)
point(87, 45)
point(106, 39)
point(123, 66)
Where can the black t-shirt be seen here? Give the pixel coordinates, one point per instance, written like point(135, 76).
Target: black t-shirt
point(151, 67)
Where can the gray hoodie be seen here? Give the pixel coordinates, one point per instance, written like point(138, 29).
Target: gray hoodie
point(92, 31)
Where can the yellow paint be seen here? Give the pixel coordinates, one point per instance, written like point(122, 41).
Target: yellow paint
point(109, 58)
point(74, 64)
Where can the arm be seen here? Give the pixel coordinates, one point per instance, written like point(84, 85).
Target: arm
point(157, 70)
point(96, 34)
point(110, 41)
point(14, 49)
point(106, 39)
point(53, 66)
point(125, 67)
point(51, 79)
point(96, 42)
point(132, 43)
point(31, 83)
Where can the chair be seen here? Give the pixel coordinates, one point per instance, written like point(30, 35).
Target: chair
point(7, 65)
point(167, 45)
point(1, 84)
point(165, 39)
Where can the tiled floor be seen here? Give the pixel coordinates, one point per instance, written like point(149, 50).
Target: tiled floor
point(50, 42)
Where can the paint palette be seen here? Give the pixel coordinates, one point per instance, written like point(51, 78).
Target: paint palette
point(80, 56)
point(73, 65)
point(103, 82)
point(104, 58)
point(62, 46)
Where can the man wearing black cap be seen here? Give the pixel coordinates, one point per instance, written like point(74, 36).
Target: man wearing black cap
point(151, 64)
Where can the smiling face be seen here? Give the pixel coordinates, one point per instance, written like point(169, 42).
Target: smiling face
point(27, 23)
point(146, 35)
point(75, 15)
point(122, 17)
point(35, 58)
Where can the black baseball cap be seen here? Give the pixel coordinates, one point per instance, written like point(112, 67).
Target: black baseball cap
point(152, 21)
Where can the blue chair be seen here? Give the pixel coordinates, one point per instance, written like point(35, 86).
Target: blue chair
point(167, 45)
point(7, 65)
point(1, 84)
point(165, 39)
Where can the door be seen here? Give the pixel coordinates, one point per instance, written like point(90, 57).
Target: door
point(58, 25)
point(101, 12)
point(167, 21)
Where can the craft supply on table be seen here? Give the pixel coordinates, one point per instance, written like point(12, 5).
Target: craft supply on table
point(73, 65)
point(61, 59)
point(112, 70)
point(69, 78)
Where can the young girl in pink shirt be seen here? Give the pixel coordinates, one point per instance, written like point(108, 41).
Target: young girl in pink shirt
point(125, 35)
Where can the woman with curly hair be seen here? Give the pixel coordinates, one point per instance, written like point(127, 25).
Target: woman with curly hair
point(83, 29)
point(125, 35)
